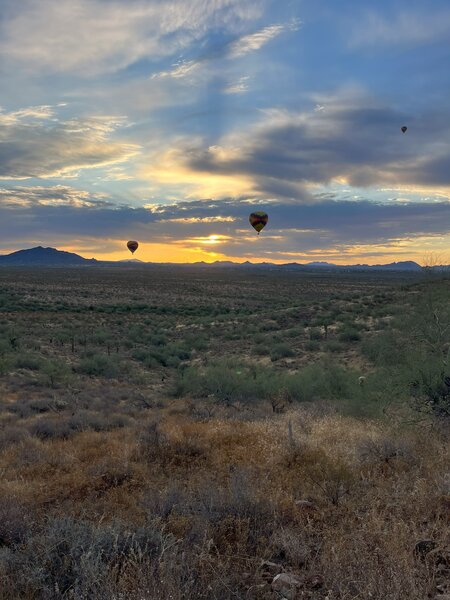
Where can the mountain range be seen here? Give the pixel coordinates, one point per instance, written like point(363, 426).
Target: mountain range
point(52, 257)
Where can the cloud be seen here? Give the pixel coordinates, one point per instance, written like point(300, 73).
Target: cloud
point(407, 27)
point(32, 112)
point(34, 144)
point(58, 195)
point(254, 41)
point(325, 227)
point(178, 70)
point(99, 36)
point(237, 48)
point(355, 139)
point(238, 87)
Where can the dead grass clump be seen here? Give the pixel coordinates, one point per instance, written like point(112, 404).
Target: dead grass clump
point(77, 559)
point(372, 557)
point(12, 435)
point(14, 521)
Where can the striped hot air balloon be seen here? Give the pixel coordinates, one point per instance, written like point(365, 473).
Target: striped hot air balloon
point(258, 220)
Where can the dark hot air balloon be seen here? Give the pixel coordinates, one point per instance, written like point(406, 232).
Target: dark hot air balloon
point(404, 129)
point(132, 246)
point(258, 220)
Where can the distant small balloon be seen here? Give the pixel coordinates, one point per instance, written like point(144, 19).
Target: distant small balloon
point(404, 129)
point(258, 220)
point(132, 246)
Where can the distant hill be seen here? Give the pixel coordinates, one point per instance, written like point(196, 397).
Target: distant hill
point(408, 265)
point(44, 257)
point(52, 257)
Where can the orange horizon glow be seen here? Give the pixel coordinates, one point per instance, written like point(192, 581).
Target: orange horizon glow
point(209, 248)
point(166, 253)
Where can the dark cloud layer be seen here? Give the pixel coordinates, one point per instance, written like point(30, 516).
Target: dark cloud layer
point(357, 141)
point(62, 214)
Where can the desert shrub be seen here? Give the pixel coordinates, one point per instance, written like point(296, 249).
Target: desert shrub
point(383, 349)
point(259, 338)
point(230, 382)
point(12, 435)
point(384, 449)
point(14, 521)
point(85, 420)
point(152, 441)
point(261, 350)
point(226, 382)
point(320, 381)
point(55, 372)
point(281, 351)
point(312, 346)
point(269, 326)
point(80, 558)
point(5, 347)
point(195, 342)
point(45, 428)
point(294, 332)
point(158, 340)
point(25, 408)
point(334, 346)
point(349, 334)
point(6, 365)
point(315, 334)
point(28, 361)
point(99, 365)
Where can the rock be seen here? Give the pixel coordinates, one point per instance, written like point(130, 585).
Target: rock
point(286, 584)
point(442, 597)
point(423, 547)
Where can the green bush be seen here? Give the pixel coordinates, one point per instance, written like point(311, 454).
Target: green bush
point(312, 346)
point(261, 350)
point(349, 334)
point(28, 361)
point(281, 351)
point(56, 372)
point(229, 382)
point(334, 346)
point(315, 334)
point(384, 349)
point(98, 365)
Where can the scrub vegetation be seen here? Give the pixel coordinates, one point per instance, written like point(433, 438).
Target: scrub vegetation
point(205, 433)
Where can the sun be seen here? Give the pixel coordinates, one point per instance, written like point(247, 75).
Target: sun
point(213, 239)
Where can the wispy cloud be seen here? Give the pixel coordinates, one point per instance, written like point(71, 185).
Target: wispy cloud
point(57, 195)
point(94, 36)
point(235, 49)
point(46, 147)
point(254, 41)
point(238, 87)
point(32, 112)
point(178, 70)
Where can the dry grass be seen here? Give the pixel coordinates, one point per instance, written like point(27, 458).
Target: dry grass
point(221, 495)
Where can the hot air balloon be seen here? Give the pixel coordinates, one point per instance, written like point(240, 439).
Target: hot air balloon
point(132, 246)
point(404, 129)
point(258, 220)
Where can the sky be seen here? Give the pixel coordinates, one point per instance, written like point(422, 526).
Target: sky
point(170, 121)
